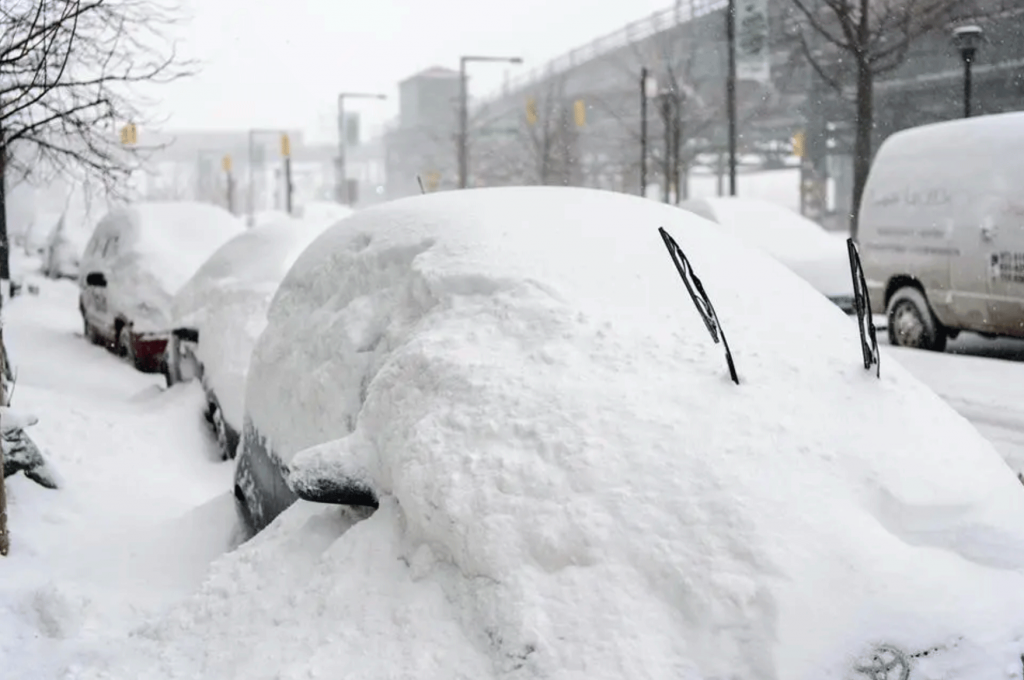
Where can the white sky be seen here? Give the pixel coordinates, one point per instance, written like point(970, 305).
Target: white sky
point(280, 63)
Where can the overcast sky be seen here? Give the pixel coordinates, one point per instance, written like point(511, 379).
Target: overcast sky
point(280, 63)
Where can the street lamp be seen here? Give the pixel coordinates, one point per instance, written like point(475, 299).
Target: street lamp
point(342, 182)
point(967, 39)
point(464, 111)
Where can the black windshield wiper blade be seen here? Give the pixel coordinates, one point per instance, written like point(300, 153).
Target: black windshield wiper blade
point(862, 304)
point(700, 298)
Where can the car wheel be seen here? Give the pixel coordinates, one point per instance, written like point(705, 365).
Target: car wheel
point(912, 322)
point(125, 346)
point(220, 428)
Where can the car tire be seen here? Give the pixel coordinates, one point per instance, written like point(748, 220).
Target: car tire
point(125, 347)
point(912, 323)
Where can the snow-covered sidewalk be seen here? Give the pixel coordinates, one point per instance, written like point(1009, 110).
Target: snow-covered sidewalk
point(123, 536)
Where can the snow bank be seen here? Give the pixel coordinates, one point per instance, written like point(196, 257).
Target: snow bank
point(324, 211)
point(814, 254)
point(227, 300)
point(570, 485)
point(160, 246)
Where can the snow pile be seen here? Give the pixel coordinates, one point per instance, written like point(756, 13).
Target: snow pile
point(814, 254)
point(159, 246)
point(570, 485)
point(227, 300)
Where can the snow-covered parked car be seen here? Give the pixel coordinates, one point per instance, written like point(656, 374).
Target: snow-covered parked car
point(547, 471)
point(63, 253)
point(815, 255)
point(218, 314)
point(137, 259)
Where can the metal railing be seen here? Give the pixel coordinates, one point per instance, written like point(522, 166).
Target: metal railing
point(681, 12)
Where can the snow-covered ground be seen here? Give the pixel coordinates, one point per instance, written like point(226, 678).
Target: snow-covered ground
point(983, 380)
point(145, 509)
point(144, 506)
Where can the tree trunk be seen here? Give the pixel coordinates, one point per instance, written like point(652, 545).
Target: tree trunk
point(677, 147)
point(5, 245)
point(862, 143)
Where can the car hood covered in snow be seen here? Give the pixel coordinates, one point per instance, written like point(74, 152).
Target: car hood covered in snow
point(227, 300)
point(160, 245)
point(815, 255)
point(570, 485)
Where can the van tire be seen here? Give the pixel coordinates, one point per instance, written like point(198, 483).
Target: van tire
point(912, 323)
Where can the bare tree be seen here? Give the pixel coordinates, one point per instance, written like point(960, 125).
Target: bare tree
point(69, 71)
point(859, 40)
point(67, 74)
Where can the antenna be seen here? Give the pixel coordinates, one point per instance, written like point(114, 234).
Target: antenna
point(419, 180)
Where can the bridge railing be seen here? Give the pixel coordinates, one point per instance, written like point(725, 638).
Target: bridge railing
point(680, 13)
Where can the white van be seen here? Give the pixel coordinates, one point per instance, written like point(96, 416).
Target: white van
point(942, 230)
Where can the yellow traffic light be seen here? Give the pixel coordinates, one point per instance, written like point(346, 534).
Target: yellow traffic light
point(798, 144)
point(286, 145)
point(531, 111)
point(579, 111)
point(225, 163)
point(129, 134)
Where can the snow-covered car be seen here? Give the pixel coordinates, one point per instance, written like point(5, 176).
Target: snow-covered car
point(547, 471)
point(63, 253)
point(814, 254)
point(136, 260)
point(218, 314)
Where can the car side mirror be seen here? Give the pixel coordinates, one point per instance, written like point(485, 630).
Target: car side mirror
point(186, 334)
point(96, 279)
point(318, 477)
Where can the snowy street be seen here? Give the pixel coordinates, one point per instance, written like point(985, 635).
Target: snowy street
point(145, 507)
point(138, 476)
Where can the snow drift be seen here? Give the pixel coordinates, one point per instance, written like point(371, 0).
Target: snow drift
point(226, 300)
point(570, 485)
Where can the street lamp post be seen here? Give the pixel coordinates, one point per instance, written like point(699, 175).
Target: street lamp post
point(342, 181)
point(967, 39)
point(464, 112)
point(730, 90)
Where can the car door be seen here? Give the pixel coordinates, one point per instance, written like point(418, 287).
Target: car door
point(1005, 234)
point(96, 296)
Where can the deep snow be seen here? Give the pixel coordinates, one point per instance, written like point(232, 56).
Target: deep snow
point(571, 525)
point(572, 488)
point(142, 509)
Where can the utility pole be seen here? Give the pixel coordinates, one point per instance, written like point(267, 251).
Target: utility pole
point(643, 132)
point(463, 135)
point(341, 183)
point(730, 90)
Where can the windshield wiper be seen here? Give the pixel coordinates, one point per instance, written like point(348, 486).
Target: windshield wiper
point(862, 303)
point(700, 298)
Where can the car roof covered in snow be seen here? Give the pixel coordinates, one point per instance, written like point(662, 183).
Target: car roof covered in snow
point(169, 240)
point(226, 300)
point(570, 483)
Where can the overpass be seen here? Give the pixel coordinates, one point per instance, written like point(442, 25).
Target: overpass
point(684, 48)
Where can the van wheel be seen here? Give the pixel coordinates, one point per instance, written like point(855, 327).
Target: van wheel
point(912, 322)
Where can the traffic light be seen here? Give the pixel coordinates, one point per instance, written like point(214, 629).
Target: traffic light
point(225, 163)
point(531, 111)
point(798, 144)
point(579, 111)
point(286, 146)
point(129, 134)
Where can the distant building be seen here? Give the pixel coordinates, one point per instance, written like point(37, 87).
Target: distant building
point(421, 146)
